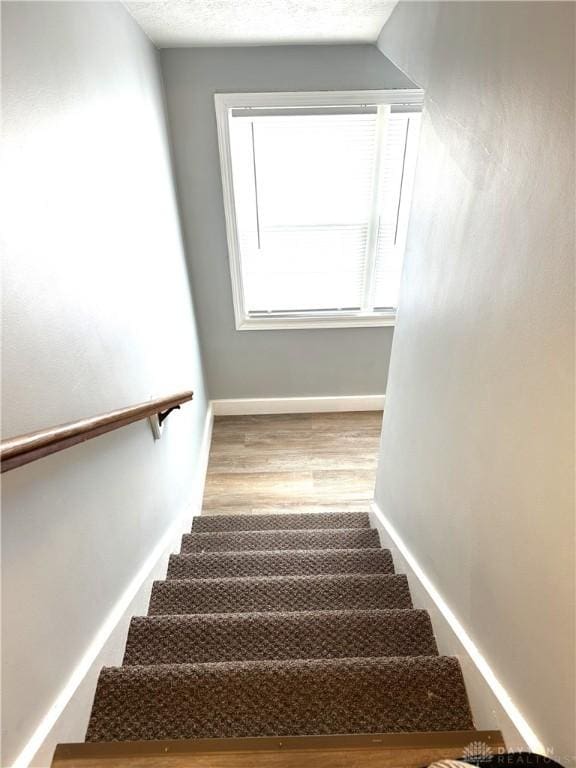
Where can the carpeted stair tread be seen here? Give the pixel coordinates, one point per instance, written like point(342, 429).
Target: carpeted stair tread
point(235, 541)
point(280, 593)
point(274, 625)
point(286, 521)
point(307, 562)
point(198, 639)
point(277, 698)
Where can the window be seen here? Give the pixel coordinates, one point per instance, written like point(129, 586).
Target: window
point(317, 190)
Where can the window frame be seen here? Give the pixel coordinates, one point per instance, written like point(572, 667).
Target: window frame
point(224, 103)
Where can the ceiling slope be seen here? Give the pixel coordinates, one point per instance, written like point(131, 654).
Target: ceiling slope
point(174, 23)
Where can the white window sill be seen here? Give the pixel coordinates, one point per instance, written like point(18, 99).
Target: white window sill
point(305, 322)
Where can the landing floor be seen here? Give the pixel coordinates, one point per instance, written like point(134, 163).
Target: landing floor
point(297, 462)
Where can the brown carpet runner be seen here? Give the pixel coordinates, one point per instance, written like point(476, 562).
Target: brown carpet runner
point(198, 639)
point(316, 520)
point(275, 625)
point(280, 593)
point(233, 541)
point(295, 562)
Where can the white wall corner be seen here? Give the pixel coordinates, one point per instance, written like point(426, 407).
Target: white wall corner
point(492, 706)
point(67, 718)
point(270, 405)
point(203, 459)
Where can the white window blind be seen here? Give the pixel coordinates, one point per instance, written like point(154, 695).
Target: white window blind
point(321, 200)
point(398, 166)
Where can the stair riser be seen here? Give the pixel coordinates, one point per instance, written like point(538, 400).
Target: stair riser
point(281, 594)
point(205, 523)
point(241, 541)
point(289, 563)
point(193, 639)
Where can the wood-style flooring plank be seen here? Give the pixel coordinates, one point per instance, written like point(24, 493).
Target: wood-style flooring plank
point(292, 462)
point(289, 461)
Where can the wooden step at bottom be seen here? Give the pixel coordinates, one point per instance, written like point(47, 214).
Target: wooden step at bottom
point(396, 750)
point(276, 698)
point(280, 593)
point(258, 636)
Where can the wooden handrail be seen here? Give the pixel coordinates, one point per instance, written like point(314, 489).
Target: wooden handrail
point(23, 449)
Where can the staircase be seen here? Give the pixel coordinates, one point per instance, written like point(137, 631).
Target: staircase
point(279, 625)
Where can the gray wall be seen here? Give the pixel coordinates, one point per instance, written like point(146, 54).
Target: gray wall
point(284, 363)
point(476, 468)
point(96, 316)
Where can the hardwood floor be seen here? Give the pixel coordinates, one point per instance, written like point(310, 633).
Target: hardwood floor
point(300, 462)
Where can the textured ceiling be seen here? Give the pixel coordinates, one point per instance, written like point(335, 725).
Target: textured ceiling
point(171, 23)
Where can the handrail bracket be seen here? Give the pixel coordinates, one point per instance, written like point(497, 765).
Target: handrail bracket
point(162, 415)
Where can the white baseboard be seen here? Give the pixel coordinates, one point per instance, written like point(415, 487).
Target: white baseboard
point(491, 704)
point(203, 461)
point(67, 718)
point(269, 405)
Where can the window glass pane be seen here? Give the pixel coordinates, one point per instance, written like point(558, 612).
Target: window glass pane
point(399, 159)
point(321, 205)
point(303, 191)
